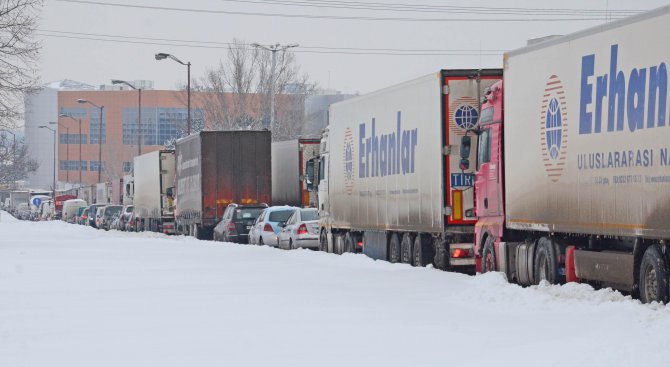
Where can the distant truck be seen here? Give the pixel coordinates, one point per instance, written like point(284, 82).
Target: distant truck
point(389, 177)
point(288, 171)
point(128, 190)
point(103, 193)
point(153, 198)
point(17, 197)
point(214, 169)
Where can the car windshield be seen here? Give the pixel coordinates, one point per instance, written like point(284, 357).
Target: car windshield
point(306, 215)
point(248, 213)
point(130, 209)
point(112, 210)
point(280, 215)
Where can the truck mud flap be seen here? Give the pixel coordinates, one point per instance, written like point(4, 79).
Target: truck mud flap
point(609, 267)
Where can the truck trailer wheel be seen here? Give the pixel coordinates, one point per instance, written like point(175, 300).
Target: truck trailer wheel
point(406, 249)
point(349, 243)
point(323, 242)
point(545, 266)
point(488, 255)
point(421, 252)
point(394, 248)
point(653, 278)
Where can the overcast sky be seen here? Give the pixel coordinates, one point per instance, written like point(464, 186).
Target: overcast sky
point(96, 61)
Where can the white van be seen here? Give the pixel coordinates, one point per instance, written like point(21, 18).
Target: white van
point(70, 209)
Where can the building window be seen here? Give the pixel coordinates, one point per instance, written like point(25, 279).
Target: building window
point(159, 124)
point(72, 138)
point(72, 165)
point(127, 167)
point(94, 126)
point(94, 166)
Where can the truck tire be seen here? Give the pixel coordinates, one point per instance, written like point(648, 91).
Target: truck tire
point(489, 255)
point(545, 266)
point(422, 253)
point(441, 258)
point(394, 248)
point(653, 277)
point(349, 243)
point(406, 249)
point(323, 242)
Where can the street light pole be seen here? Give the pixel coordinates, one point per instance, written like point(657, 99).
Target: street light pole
point(163, 56)
point(139, 112)
point(99, 136)
point(54, 164)
point(273, 48)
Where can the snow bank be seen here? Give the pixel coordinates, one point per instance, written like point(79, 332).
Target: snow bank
point(76, 296)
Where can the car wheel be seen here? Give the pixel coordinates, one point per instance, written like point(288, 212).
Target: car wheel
point(260, 241)
point(290, 245)
point(394, 249)
point(653, 276)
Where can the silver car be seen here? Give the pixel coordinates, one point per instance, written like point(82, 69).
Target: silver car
point(300, 230)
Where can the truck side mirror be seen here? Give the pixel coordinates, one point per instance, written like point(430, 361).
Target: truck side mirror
point(465, 146)
point(309, 175)
point(465, 153)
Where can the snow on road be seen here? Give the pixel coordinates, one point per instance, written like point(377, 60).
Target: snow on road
point(74, 296)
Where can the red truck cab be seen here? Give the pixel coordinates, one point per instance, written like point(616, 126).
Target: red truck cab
point(489, 193)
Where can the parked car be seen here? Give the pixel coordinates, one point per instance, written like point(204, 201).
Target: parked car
point(70, 209)
point(105, 216)
point(130, 223)
point(266, 227)
point(82, 218)
point(300, 230)
point(92, 214)
point(126, 213)
point(115, 220)
point(236, 223)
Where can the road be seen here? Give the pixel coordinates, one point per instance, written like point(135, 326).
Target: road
point(75, 296)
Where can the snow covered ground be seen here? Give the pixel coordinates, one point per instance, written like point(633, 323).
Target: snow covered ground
point(75, 296)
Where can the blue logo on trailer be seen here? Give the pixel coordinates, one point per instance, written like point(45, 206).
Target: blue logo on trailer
point(348, 161)
point(466, 117)
point(554, 124)
point(37, 201)
point(554, 128)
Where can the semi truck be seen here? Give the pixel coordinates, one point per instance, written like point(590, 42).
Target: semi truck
point(153, 183)
point(288, 171)
point(572, 179)
point(388, 178)
point(217, 168)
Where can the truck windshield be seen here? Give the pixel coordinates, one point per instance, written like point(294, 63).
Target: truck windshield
point(487, 115)
point(484, 153)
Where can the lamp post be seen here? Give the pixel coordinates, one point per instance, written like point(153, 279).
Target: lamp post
point(79, 119)
point(273, 48)
point(163, 56)
point(67, 150)
point(139, 112)
point(54, 168)
point(99, 136)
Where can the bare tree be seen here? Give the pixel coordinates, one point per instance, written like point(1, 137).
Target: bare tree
point(18, 55)
point(239, 91)
point(15, 164)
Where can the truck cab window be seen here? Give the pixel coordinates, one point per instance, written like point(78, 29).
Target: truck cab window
point(322, 169)
point(484, 153)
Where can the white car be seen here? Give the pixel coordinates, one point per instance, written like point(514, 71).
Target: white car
point(301, 230)
point(265, 229)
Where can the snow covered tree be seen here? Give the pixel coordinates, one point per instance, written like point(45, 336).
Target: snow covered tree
point(15, 164)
